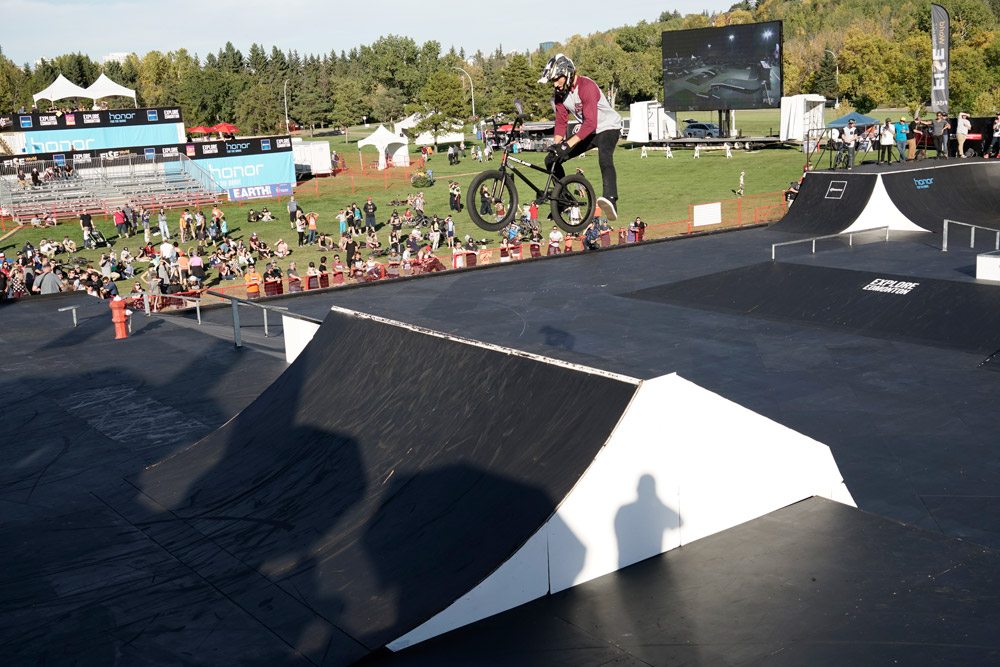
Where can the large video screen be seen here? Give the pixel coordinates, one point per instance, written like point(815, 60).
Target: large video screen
point(736, 67)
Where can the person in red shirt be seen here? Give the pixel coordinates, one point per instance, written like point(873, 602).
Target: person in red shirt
point(600, 126)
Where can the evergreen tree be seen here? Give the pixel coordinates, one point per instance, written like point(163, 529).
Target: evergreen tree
point(825, 82)
point(440, 104)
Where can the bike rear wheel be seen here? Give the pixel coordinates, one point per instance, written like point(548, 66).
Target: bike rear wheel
point(501, 204)
point(573, 203)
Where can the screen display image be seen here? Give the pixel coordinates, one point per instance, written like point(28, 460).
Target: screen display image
point(735, 67)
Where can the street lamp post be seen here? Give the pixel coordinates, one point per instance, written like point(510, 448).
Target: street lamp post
point(472, 89)
point(836, 64)
point(285, 88)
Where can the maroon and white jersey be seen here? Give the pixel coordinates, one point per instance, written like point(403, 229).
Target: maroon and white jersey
point(587, 102)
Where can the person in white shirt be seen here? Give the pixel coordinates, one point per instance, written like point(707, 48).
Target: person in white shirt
point(962, 131)
point(849, 136)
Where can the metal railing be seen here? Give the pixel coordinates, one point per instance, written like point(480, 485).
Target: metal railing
point(236, 302)
point(850, 239)
point(972, 234)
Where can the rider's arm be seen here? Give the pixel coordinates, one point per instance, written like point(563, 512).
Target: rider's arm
point(590, 95)
point(562, 120)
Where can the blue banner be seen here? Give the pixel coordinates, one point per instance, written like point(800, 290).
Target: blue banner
point(96, 138)
point(243, 172)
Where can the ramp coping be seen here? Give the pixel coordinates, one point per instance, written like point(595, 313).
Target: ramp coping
point(488, 346)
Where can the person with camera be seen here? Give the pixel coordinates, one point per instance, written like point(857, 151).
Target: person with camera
point(600, 126)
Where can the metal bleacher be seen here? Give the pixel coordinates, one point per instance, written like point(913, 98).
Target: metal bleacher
point(99, 186)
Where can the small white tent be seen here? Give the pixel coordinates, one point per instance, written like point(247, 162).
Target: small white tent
point(427, 138)
point(389, 144)
point(61, 89)
point(105, 87)
point(648, 121)
point(799, 115)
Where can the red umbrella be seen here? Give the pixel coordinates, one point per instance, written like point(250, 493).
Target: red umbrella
point(228, 128)
point(200, 129)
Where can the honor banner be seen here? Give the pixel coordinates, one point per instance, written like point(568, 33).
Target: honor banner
point(940, 63)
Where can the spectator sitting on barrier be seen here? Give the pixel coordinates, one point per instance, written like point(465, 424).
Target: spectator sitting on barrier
point(293, 272)
point(591, 237)
point(555, 240)
point(108, 288)
point(337, 265)
point(273, 272)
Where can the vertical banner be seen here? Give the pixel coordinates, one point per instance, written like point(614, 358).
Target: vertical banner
point(940, 38)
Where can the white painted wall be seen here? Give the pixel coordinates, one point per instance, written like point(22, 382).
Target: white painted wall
point(298, 333)
point(881, 212)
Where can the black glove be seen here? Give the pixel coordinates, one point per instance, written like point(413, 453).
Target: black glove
point(560, 151)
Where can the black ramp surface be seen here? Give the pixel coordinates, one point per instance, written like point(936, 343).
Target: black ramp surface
point(387, 472)
point(968, 192)
point(827, 203)
point(939, 312)
point(816, 583)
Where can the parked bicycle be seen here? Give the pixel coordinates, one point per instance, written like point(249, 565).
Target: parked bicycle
point(492, 197)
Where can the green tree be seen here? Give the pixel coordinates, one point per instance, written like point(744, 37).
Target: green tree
point(440, 104)
point(259, 110)
point(349, 102)
point(519, 81)
point(825, 80)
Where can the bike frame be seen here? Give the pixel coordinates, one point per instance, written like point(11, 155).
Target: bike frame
point(541, 194)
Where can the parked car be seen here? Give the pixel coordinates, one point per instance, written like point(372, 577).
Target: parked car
point(626, 123)
point(702, 130)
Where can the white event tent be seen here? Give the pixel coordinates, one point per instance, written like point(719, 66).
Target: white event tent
point(62, 88)
point(387, 143)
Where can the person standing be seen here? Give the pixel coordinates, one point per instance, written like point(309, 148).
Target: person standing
point(293, 206)
point(600, 126)
point(311, 219)
point(369, 211)
point(939, 128)
point(849, 136)
point(902, 134)
point(886, 139)
point(962, 132)
point(300, 228)
point(995, 141)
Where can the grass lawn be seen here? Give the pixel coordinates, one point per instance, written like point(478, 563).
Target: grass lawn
point(657, 189)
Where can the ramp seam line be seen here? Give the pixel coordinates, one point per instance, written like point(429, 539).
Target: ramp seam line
point(487, 346)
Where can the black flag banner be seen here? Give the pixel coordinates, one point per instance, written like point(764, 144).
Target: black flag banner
point(940, 58)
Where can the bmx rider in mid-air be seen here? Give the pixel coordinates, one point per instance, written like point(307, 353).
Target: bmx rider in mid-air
point(600, 126)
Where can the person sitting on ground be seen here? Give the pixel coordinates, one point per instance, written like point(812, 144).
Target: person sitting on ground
point(69, 245)
point(281, 249)
point(253, 216)
point(265, 215)
point(371, 240)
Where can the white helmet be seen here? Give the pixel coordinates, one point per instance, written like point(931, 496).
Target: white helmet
point(558, 65)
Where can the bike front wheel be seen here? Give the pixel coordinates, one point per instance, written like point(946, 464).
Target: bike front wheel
point(573, 203)
point(499, 206)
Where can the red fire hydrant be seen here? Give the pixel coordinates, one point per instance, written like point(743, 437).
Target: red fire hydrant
point(119, 315)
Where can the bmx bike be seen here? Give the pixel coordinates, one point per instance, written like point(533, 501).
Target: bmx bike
point(492, 198)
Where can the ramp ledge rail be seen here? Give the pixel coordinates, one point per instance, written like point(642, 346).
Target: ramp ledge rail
point(850, 239)
point(972, 234)
point(237, 302)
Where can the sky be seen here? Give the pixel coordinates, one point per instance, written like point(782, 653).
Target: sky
point(34, 29)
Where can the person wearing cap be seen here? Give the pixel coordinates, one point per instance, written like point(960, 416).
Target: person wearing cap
point(939, 128)
point(902, 134)
point(849, 135)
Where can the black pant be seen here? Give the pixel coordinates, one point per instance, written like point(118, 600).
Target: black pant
point(941, 144)
point(605, 142)
point(885, 151)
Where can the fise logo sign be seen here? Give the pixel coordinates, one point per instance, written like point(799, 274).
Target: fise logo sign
point(152, 115)
point(26, 122)
point(265, 144)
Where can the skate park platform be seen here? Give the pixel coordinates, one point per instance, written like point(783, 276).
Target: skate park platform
point(478, 438)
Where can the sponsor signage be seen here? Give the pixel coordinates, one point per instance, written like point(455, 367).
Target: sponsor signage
point(237, 147)
point(95, 138)
point(260, 191)
point(265, 144)
point(940, 57)
point(209, 149)
point(113, 118)
point(886, 286)
point(923, 183)
point(150, 153)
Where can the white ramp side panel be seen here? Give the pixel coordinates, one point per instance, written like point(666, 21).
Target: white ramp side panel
point(298, 333)
point(684, 463)
point(881, 212)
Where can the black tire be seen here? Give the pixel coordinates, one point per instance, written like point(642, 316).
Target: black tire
point(501, 188)
point(573, 190)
